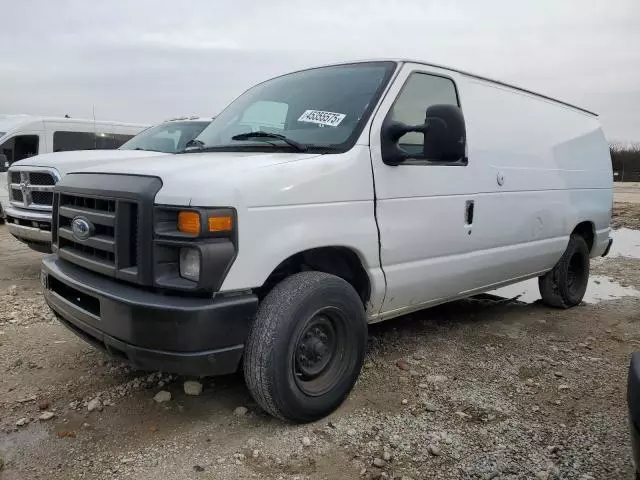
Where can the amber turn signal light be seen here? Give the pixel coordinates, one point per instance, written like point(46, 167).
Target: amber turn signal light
point(189, 222)
point(220, 224)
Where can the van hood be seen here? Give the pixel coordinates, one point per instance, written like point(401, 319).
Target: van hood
point(64, 162)
point(190, 178)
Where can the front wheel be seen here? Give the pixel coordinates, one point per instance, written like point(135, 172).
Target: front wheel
point(566, 284)
point(306, 347)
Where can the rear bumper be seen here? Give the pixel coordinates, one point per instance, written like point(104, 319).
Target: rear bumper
point(184, 335)
point(633, 400)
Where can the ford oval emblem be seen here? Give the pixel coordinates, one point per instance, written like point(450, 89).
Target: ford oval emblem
point(81, 228)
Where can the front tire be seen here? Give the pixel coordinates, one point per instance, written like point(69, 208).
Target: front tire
point(306, 347)
point(566, 284)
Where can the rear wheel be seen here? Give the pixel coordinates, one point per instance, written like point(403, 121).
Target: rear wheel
point(566, 284)
point(306, 346)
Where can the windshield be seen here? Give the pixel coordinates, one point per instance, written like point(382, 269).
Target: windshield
point(168, 137)
point(323, 108)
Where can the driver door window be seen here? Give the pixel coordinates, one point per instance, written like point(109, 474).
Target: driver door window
point(418, 93)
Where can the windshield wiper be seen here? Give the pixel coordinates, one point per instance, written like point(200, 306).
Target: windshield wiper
point(301, 147)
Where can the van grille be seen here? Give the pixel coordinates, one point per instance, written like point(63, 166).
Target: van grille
point(114, 220)
point(32, 189)
point(110, 245)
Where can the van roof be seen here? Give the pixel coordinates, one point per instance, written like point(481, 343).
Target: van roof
point(9, 122)
point(473, 75)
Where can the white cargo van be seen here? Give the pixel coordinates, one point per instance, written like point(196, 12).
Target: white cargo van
point(23, 136)
point(319, 201)
point(31, 181)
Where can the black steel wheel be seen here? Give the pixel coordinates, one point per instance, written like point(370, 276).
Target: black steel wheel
point(566, 284)
point(319, 354)
point(306, 346)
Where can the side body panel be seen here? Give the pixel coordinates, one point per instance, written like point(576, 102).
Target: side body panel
point(552, 158)
point(536, 169)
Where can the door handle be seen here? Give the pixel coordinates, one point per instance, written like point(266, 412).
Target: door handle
point(468, 213)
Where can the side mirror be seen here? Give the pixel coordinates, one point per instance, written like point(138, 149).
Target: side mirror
point(445, 138)
point(4, 163)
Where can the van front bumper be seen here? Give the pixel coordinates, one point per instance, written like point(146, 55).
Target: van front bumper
point(175, 334)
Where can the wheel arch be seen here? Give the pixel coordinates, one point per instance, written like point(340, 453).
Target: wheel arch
point(342, 261)
point(587, 230)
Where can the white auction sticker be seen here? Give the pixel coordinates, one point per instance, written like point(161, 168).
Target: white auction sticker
point(322, 118)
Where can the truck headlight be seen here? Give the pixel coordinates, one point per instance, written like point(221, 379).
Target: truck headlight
point(190, 264)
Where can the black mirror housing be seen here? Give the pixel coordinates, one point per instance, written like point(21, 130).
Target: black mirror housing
point(4, 163)
point(446, 137)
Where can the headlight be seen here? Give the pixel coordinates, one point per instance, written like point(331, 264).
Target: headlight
point(190, 264)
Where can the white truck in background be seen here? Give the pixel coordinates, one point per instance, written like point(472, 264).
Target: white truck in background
point(31, 181)
point(320, 201)
point(24, 136)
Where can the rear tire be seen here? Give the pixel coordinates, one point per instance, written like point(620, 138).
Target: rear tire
point(566, 284)
point(306, 347)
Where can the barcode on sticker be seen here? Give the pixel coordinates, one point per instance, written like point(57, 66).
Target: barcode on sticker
point(322, 118)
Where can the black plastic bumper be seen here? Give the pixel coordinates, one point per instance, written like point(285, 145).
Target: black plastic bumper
point(185, 335)
point(606, 250)
point(633, 399)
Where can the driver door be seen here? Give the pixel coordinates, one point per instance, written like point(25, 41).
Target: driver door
point(425, 211)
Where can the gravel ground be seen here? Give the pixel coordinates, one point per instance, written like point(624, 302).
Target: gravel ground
point(627, 192)
point(477, 389)
point(626, 215)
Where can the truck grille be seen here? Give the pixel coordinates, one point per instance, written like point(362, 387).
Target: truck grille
point(32, 188)
point(110, 245)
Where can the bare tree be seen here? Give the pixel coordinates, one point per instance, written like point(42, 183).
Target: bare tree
point(625, 159)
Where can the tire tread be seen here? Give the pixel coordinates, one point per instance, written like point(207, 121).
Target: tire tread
point(549, 284)
point(258, 358)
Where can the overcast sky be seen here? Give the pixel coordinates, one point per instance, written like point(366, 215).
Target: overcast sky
point(141, 60)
